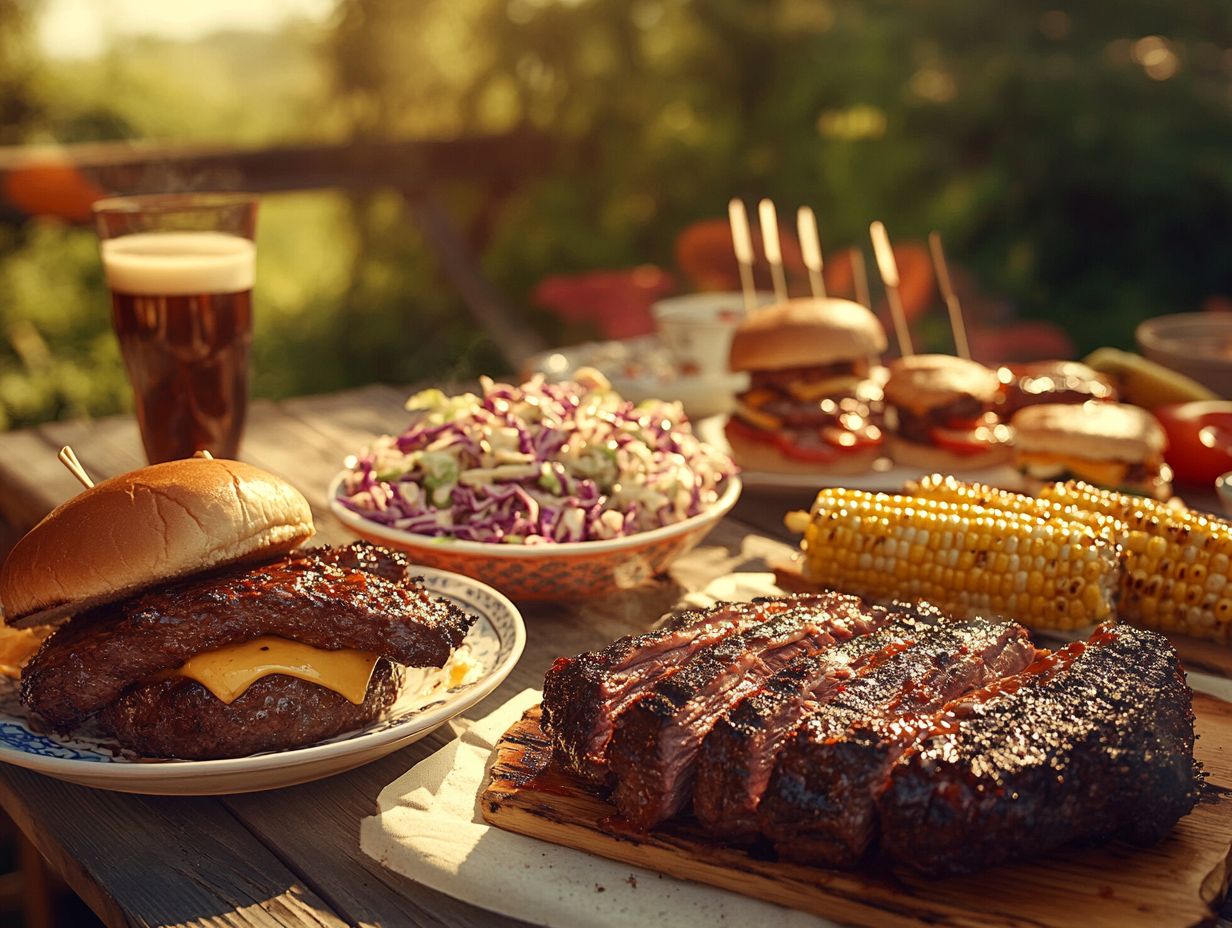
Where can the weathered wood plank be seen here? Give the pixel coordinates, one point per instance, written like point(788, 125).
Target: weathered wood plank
point(32, 481)
point(157, 861)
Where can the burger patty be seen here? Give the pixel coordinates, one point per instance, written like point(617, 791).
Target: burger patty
point(783, 378)
point(363, 555)
point(918, 426)
point(181, 718)
point(313, 597)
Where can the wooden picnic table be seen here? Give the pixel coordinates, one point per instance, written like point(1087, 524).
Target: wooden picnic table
point(288, 856)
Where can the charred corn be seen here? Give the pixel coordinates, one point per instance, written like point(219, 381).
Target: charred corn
point(1048, 572)
point(1178, 569)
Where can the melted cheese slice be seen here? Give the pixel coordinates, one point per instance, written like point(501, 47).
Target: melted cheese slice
point(229, 671)
point(1046, 466)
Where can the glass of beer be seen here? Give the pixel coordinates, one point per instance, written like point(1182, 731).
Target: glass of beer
point(180, 270)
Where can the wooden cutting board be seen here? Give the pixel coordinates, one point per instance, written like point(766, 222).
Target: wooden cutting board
point(1178, 882)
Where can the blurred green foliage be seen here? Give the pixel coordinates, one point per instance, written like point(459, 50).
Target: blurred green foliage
point(1076, 159)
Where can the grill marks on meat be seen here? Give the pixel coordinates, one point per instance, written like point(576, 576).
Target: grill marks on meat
point(738, 755)
point(584, 696)
point(331, 599)
point(1092, 743)
point(819, 806)
point(654, 749)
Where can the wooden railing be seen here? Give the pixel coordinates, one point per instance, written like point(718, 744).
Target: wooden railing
point(64, 181)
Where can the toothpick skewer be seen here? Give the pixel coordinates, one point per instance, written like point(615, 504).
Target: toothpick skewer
point(961, 347)
point(770, 243)
point(810, 245)
point(742, 243)
point(889, 276)
point(203, 454)
point(859, 272)
point(69, 460)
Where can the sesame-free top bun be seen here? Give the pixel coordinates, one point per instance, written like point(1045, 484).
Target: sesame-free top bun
point(803, 333)
point(927, 381)
point(1092, 431)
point(146, 527)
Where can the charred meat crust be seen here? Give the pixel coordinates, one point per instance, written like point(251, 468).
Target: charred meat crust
point(656, 742)
point(584, 696)
point(327, 599)
point(819, 806)
point(737, 756)
point(180, 718)
point(1102, 747)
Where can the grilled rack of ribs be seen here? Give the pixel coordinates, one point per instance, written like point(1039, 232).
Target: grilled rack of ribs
point(584, 696)
point(830, 726)
point(1102, 747)
point(819, 805)
point(657, 740)
point(738, 754)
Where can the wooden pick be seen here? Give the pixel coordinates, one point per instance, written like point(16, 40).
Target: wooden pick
point(742, 243)
point(889, 276)
point(69, 459)
point(859, 273)
point(810, 245)
point(203, 454)
point(961, 346)
point(770, 244)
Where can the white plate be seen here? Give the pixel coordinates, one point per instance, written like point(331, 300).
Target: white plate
point(886, 476)
point(495, 643)
point(642, 368)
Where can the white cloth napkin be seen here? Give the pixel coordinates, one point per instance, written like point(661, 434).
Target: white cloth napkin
point(429, 829)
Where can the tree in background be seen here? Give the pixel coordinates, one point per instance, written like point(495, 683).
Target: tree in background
point(1075, 159)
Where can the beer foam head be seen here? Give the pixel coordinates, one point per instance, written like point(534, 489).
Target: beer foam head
point(179, 263)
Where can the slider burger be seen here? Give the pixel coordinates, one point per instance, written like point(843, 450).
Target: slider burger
point(943, 409)
point(1109, 444)
point(809, 406)
point(197, 631)
point(1038, 382)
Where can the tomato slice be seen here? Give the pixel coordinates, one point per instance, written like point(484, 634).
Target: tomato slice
point(1199, 440)
point(820, 446)
point(970, 441)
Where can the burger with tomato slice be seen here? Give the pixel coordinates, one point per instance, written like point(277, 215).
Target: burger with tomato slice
point(811, 405)
point(942, 410)
point(1109, 444)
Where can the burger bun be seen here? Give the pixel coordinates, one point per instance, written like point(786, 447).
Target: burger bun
point(934, 460)
point(147, 527)
point(805, 333)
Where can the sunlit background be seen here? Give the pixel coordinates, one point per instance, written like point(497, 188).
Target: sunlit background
point(1076, 160)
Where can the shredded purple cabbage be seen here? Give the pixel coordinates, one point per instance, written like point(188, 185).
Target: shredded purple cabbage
point(538, 463)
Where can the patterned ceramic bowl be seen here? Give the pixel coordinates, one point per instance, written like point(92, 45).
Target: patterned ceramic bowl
point(561, 571)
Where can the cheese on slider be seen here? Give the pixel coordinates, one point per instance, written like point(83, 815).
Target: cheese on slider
point(230, 670)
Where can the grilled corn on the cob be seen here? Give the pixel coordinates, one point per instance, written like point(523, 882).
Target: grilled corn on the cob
point(1178, 571)
point(970, 560)
point(1176, 575)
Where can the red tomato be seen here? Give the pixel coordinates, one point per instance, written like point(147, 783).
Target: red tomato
point(1199, 440)
point(970, 441)
point(830, 443)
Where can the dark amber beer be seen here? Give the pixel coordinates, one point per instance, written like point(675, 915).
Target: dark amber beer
point(180, 269)
point(181, 304)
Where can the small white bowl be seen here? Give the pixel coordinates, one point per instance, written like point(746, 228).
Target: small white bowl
point(568, 570)
point(697, 329)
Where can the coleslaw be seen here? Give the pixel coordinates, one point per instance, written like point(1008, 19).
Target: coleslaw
point(540, 463)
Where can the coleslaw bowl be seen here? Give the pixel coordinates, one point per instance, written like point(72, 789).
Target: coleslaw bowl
point(563, 570)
